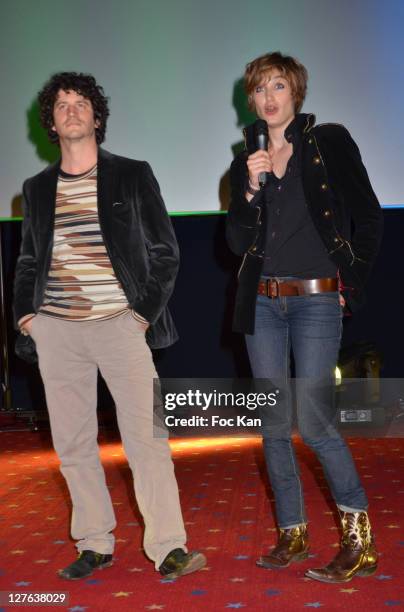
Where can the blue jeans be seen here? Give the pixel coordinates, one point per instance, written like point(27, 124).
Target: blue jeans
point(311, 326)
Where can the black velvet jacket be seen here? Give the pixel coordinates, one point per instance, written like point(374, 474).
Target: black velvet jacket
point(341, 202)
point(137, 233)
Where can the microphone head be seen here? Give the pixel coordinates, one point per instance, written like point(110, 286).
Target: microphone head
point(261, 126)
point(261, 134)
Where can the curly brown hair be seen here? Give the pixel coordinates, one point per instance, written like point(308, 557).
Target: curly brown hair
point(83, 84)
point(288, 66)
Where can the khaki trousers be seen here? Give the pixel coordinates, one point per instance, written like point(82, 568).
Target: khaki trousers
point(70, 353)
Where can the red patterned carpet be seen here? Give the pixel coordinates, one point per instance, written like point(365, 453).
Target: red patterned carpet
point(228, 516)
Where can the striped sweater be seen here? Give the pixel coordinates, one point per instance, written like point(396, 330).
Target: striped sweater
point(81, 283)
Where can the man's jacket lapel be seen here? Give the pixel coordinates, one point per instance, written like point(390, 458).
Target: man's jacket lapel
point(105, 193)
point(47, 198)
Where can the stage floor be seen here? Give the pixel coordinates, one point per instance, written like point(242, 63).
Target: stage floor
point(228, 512)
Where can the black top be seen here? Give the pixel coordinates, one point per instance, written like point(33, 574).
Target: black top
point(293, 247)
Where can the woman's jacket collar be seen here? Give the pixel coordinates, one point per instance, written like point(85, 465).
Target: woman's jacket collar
point(301, 124)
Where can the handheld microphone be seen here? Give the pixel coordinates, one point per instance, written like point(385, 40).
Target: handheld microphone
point(261, 141)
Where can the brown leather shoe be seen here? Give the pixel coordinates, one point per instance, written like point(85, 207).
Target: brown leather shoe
point(357, 555)
point(293, 545)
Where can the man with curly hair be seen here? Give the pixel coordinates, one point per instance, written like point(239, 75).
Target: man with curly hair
point(97, 266)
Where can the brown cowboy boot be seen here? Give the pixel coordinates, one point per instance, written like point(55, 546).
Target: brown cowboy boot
point(293, 545)
point(357, 555)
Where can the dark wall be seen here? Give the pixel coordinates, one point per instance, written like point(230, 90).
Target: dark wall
point(202, 307)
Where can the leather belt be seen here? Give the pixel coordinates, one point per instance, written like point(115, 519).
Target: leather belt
point(273, 287)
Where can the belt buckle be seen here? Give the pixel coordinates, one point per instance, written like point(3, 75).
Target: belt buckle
point(272, 283)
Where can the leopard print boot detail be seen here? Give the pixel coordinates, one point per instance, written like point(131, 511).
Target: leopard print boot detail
point(357, 555)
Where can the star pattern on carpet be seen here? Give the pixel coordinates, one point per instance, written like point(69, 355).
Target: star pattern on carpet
point(239, 538)
point(123, 594)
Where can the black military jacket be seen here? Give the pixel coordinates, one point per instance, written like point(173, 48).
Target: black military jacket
point(342, 204)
